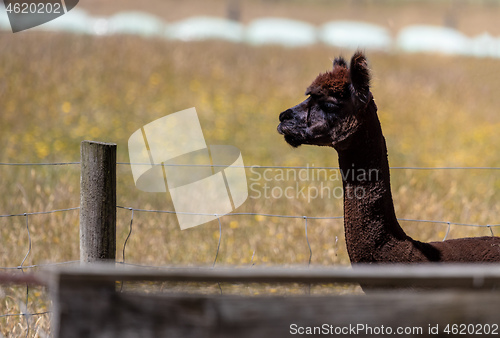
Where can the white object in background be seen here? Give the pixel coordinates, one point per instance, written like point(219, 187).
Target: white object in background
point(205, 28)
point(284, 32)
point(75, 21)
point(4, 20)
point(353, 35)
point(433, 39)
point(485, 45)
point(136, 23)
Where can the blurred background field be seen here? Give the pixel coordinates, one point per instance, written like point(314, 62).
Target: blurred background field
point(59, 89)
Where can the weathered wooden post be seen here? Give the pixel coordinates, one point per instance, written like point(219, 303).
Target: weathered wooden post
point(97, 244)
point(97, 202)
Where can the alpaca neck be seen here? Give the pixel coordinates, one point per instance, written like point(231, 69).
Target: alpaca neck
point(369, 217)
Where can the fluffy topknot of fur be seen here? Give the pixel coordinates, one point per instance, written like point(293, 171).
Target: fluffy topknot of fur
point(342, 80)
point(332, 83)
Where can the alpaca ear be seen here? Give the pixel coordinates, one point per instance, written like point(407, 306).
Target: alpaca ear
point(339, 62)
point(360, 77)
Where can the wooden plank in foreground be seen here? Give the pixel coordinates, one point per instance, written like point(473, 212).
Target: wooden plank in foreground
point(85, 306)
point(93, 313)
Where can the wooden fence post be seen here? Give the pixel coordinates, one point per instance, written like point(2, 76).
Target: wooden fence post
point(97, 202)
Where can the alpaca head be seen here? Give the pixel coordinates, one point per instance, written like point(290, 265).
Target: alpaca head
point(334, 108)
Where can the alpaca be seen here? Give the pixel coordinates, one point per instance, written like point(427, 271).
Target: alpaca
point(340, 112)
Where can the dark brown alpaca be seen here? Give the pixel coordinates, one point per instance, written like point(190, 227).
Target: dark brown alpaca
point(340, 112)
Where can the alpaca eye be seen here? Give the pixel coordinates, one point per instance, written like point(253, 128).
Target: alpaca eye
point(328, 105)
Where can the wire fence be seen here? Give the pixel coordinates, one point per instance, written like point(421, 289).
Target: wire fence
point(24, 305)
point(26, 315)
point(251, 166)
point(305, 218)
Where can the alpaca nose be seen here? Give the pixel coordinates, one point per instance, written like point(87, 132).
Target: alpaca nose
point(286, 115)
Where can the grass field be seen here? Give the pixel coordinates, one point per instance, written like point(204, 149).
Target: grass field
point(57, 90)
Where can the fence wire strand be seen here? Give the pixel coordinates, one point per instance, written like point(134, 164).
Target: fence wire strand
point(447, 231)
point(24, 307)
point(40, 212)
point(308, 244)
point(218, 245)
point(29, 243)
point(298, 167)
point(491, 230)
point(301, 217)
point(129, 233)
point(39, 164)
point(249, 166)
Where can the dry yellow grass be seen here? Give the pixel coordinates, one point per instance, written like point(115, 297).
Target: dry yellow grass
point(435, 111)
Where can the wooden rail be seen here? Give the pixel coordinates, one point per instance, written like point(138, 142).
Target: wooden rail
point(84, 306)
point(463, 276)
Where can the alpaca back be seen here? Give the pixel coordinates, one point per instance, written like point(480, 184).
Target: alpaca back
point(470, 249)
